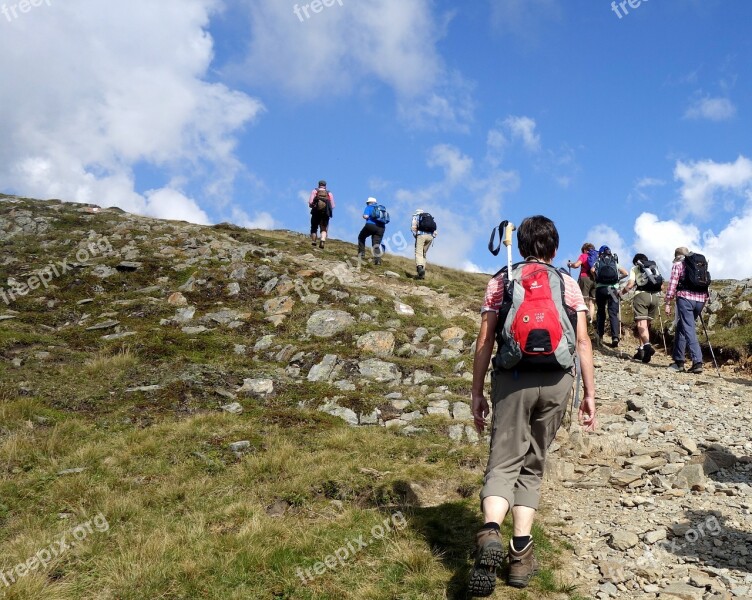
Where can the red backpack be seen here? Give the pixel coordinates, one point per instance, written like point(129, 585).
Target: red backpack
point(536, 329)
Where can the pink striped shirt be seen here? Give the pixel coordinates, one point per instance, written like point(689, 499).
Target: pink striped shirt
point(495, 294)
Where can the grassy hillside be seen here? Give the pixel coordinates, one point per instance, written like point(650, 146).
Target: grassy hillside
point(113, 440)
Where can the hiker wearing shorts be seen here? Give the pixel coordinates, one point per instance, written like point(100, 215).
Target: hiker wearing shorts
point(607, 295)
point(321, 203)
point(528, 407)
point(424, 231)
point(372, 229)
point(646, 302)
point(585, 280)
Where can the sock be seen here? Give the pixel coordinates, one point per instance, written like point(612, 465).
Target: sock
point(491, 525)
point(520, 542)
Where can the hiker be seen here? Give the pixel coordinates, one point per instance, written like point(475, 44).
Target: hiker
point(607, 273)
point(376, 218)
point(648, 280)
point(585, 262)
point(321, 203)
point(424, 231)
point(689, 284)
point(529, 397)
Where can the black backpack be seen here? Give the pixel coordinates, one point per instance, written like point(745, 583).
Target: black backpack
point(321, 202)
point(606, 269)
point(651, 279)
point(696, 276)
point(426, 223)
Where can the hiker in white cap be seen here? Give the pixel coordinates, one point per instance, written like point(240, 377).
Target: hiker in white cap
point(376, 218)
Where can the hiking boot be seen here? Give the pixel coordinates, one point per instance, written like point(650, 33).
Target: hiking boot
point(321, 244)
point(647, 353)
point(313, 244)
point(598, 341)
point(377, 261)
point(696, 368)
point(421, 272)
point(488, 557)
point(614, 343)
point(676, 367)
point(639, 355)
point(522, 566)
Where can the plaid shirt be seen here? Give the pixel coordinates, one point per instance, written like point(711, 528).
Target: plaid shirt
point(676, 274)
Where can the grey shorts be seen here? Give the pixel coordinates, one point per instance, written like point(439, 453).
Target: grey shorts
point(587, 287)
point(645, 306)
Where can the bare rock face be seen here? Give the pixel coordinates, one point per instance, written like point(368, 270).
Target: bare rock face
point(380, 343)
point(328, 323)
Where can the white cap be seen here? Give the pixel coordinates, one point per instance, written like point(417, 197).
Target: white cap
point(371, 200)
point(419, 211)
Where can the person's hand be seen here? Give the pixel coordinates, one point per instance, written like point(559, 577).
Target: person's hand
point(480, 411)
point(668, 308)
point(586, 414)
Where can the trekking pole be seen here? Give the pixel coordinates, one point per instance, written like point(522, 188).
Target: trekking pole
point(663, 330)
point(707, 337)
point(507, 240)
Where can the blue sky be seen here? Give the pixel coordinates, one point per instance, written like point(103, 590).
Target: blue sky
point(630, 130)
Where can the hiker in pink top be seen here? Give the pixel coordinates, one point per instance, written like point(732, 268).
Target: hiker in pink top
point(321, 203)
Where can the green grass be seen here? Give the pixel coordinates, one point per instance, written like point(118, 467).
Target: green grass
point(187, 517)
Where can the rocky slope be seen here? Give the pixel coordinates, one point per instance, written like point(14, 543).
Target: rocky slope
point(655, 504)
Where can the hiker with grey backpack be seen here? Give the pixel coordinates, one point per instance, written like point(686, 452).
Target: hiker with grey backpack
point(647, 279)
point(538, 317)
point(321, 203)
point(689, 284)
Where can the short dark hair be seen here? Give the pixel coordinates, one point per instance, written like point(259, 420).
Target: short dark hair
point(639, 257)
point(537, 237)
point(322, 183)
point(586, 247)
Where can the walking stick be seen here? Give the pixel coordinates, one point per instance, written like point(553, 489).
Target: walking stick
point(508, 229)
point(707, 337)
point(663, 331)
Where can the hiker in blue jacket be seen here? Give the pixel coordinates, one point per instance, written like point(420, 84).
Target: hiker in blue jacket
point(376, 219)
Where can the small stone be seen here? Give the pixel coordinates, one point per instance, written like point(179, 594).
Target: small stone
point(234, 408)
point(623, 540)
point(257, 387)
point(103, 325)
point(177, 299)
point(240, 446)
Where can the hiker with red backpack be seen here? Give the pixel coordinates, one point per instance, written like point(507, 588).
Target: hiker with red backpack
point(607, 273)
point(647, 279)
point(376, 217)
point(585, 262)
point(424, 231)
point(689, 284)
point(538, 317)
point(321, 203)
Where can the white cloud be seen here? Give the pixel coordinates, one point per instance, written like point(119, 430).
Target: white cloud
point(712, 109)
point(350, 44)
point(701, 181)
point(520, 17)
point(605, 235)
point(523, 129)
point(727, 252)
point(262, 220)
point(109, 87)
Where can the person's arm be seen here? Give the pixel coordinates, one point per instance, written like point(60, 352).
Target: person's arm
point(414, 226)
point(311, 198)
point(483, 350)
point(577, 264)
point(331, 199)
point(672, 284)
point(586, 413)
point(630, 284)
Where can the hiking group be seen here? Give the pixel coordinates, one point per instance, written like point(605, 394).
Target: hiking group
point(601, 278)
point(423, 227)
point(538, 318)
